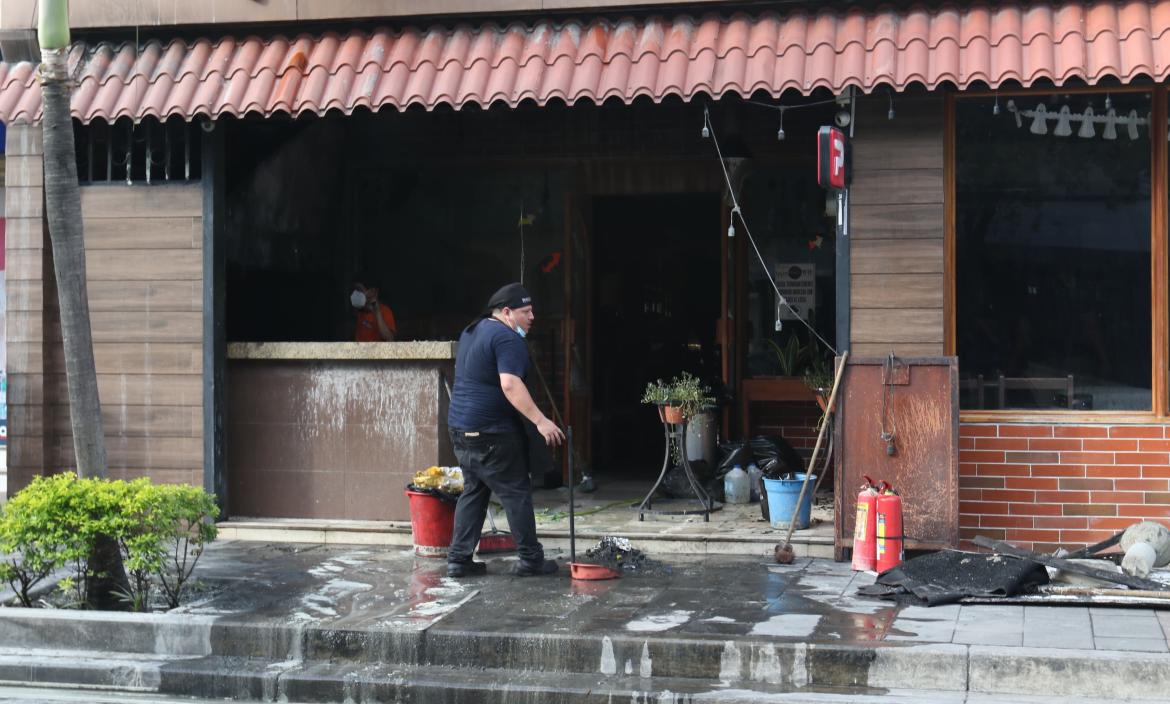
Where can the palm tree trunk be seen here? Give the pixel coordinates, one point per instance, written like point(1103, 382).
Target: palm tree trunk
point(63, 212)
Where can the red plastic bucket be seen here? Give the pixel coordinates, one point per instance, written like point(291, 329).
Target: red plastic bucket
point(432, 521)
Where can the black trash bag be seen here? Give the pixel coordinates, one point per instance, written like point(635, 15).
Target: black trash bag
point(731, 454)
point(703, 469)
point(775, 452)
point(675, 485)
point(442, 495)
point(764, 502)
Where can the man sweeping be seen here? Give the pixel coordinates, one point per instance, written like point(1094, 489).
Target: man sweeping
point(489, 404)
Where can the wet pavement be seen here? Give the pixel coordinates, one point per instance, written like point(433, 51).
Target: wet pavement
point(328, 623)
point(811, 601)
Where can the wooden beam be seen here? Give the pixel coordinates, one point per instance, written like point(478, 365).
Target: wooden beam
point(950, 344)
point(1159, 267)
point(1069, 566)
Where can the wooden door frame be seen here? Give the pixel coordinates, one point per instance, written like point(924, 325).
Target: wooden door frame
point(1159, 259)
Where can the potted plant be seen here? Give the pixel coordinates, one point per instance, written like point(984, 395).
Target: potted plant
point(790, 356)
point(818, 376)
point(680, 399)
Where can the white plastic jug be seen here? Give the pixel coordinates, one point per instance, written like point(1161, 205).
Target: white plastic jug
point(755, 481)
point(736, 486)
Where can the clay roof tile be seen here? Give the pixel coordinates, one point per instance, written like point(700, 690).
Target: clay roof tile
point(601, 59)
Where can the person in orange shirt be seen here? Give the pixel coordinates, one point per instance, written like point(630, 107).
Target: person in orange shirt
point(375, 321)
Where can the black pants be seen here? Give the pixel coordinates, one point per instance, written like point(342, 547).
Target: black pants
point(493, 463)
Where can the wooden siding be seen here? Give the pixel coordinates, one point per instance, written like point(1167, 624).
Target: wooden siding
point(897, 252)
point(144, 270)
point(25, 244)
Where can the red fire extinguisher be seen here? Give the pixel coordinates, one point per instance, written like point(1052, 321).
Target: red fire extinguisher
point(890, 550)
point(865, 528)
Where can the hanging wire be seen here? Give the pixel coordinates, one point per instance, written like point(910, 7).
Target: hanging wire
point(521, 242)
point(736, 210)
point(794, 106)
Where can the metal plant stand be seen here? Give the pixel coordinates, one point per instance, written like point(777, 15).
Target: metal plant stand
point(678, 433)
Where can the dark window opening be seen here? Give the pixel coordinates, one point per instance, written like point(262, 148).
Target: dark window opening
point(149, 152)
point(1053, 251)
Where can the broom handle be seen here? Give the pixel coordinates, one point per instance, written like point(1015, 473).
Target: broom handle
point(572, 522)
point(812, 463)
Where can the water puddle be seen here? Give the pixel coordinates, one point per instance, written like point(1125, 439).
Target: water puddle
point(656, 623)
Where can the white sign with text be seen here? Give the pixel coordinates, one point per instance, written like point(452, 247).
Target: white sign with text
point(798, 285)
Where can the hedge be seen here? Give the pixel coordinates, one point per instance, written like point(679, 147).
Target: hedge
point(160, 530)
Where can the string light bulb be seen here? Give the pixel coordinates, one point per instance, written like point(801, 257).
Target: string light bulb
point(1108, 102)
point(706, 122)
point(995, 108)
point(731, 222)
point(706, 132)
point(780, 133)
point(890, 114)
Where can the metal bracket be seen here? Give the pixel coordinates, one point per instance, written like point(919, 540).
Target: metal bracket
point(896, 373)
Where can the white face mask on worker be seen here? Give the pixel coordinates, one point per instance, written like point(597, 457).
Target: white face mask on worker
point(357, 299)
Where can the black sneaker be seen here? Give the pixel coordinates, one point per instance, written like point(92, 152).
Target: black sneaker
point(531, 569)
point(466, 569)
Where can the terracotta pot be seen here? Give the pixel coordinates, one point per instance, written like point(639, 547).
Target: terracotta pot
point(823, 399)
point(670, 414)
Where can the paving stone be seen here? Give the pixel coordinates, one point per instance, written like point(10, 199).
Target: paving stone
point(1141, 624)
point(1145, 645)
point(1069, 628)
point(988, 635)
point(946, 612)
point(904, 629)
point(988, 612)
point(990, 625)
point(1164, 618)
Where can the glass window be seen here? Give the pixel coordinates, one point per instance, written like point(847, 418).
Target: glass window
point(794, 223)
point(1052, 225)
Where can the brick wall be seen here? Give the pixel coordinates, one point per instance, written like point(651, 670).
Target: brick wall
point(1044, 486)
point(795, 421)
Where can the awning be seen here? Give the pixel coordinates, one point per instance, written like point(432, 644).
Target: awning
point(603, 59)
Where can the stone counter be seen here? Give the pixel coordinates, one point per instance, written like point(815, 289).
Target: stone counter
point(437, 350)
point(333, 430)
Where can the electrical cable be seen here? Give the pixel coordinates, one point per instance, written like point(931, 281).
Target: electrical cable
point(795, 106)
point(521, 242)
point(736, 210)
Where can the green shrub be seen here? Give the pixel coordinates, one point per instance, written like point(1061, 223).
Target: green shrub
point(55, 522)
point(39, 532)
point(188, 520)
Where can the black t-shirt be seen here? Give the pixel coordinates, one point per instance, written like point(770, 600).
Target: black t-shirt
point(478, 403)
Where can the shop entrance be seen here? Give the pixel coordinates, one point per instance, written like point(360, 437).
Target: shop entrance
point(655, 307)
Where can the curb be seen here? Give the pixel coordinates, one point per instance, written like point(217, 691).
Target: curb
point(208, 645)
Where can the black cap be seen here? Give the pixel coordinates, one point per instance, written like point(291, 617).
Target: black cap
point(511, 296)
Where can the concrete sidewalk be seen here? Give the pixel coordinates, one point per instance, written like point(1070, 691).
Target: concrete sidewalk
point(328, 623)
point(732, 530)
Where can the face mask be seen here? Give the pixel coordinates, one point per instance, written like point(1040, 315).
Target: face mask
point(357, 299)
point(520, 331)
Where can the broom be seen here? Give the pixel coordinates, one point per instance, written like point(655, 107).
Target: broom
point(495, 540)
point(785, 554)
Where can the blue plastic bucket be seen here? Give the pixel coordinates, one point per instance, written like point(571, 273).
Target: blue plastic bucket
point(782, 495)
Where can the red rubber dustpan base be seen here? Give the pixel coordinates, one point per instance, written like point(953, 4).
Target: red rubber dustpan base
point(584, 570)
